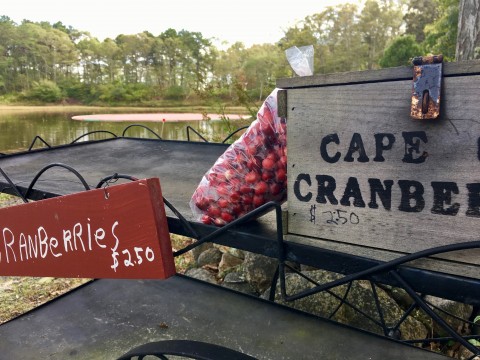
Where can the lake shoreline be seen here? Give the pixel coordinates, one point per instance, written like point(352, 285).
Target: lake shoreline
point(54, 124)
point(181, 109)
point(158, 117)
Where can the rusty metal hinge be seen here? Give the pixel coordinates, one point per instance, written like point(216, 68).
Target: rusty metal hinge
point(427, 85)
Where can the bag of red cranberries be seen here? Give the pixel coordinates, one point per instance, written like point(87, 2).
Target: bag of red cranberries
point(250, 173)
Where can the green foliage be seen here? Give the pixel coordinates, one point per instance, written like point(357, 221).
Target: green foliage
point(419, 14)
point(441, 35)
point(345, 38)
point(183, 65)
point(400, 52)
point(474, 342)
point(175, 92)
point(119, 92)
point(45, 91)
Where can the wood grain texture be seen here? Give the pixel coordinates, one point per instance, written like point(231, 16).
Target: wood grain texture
point(355, 114)
point(117, 232)
point(454, 265)
point(471, 67)
point(468, 38)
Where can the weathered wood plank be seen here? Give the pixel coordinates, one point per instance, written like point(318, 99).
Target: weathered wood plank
point(468, 38)
point(399, 73)
point(382, 180)
point(450, 264)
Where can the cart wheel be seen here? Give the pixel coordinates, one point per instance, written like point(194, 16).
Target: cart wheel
point(186, 348)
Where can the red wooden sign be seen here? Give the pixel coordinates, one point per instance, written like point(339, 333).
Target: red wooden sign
point(117, 232)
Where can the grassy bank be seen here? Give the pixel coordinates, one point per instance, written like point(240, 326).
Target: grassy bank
point(123, 109)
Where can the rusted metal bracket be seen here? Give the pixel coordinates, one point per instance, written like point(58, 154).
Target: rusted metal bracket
point(427, 84)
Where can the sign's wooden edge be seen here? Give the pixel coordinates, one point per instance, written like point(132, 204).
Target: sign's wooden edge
point(471, 67)
point(158, 207)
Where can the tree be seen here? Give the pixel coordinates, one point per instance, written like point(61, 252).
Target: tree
point(89, 49)
point(199, 57)
point(334, 36)
point(346, 40)
point(8, 38)
point(74, 34)
point(339, 45)
point(298, 35)
point(171, 50)
point(134, 53)
point(400, 52)
point(441, 35)
point(260, 66)
point(379, 22)
point(109, 54)
point(45, 91)
point(419, 14)
point(468, 41)
point(228, 70)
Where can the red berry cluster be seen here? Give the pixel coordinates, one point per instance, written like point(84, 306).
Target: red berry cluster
point(251, 172)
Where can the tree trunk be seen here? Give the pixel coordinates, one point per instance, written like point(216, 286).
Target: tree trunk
point(468, 38)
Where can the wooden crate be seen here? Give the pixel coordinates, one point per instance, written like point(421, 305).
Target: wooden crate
point(366, 179)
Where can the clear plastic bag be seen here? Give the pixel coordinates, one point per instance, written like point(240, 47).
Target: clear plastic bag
point(301, 59)
point(250, 173)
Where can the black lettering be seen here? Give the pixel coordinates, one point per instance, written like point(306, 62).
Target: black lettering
point(407, 196)
point(384, 192)
point(323, 148)
point(412, 145)
point(356, 145)
point(473, 200)
point(326, 187)
point(296, 187)
point(442, 194)
point(380, 146)
point(352, 190)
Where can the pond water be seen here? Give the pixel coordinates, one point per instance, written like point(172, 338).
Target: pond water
point(18, 128)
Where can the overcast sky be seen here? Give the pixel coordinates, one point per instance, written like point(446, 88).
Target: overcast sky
point(249, 21)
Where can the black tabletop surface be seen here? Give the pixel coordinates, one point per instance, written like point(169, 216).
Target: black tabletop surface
point(107, 318)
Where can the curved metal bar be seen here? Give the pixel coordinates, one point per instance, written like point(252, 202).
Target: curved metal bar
point(392, 268)
point(381, 268)
point(342, 300)
point(472, 348)
point(38, 138)
point(449, 314)
point(182, 219)
point(69, 168)
point(379, 309)
point(10, 182)
point(93, 132)
point(142, 126)
point(394, 330)
point(233, 133)
point(273, 286)
point(185, 348)
point(113, 178)
point(445, 339)
point(249, 216)
point(196, 132)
